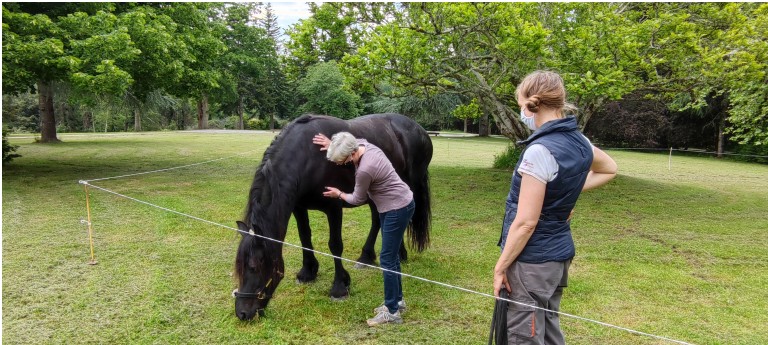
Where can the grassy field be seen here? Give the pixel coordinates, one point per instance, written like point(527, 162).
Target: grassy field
point(678, 252)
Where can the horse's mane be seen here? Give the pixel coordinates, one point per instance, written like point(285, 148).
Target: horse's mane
point(262, 192)
point(268, 203)
point(261, 211)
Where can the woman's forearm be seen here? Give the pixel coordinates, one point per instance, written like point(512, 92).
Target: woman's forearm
point(517, 238)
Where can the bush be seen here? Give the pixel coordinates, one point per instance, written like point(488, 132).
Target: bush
point(256, 123)
point(507, 159)
point(217, 124)
point(8, 149)
point(751, 153)
point(230, 122)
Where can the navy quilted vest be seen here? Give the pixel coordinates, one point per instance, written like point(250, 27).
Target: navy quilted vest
point(552, 241)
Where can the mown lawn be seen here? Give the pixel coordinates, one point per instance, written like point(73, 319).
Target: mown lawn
point(675, 252)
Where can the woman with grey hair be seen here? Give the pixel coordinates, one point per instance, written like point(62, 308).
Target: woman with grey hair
point(375, 178)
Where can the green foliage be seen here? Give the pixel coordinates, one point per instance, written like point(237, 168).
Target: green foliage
point(8, 149)
point(256, 123)
point(467, 111)
point(21, 112)
point(508, 159)
point(482, 50)
point(702, 51)
point(253, 79)
point(333, 31)
point(414, 58)
point(324, 93)
point(33, 49)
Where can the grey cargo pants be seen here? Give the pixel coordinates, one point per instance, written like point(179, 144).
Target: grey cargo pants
point(539, 285)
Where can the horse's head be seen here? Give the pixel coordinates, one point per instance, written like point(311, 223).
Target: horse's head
point(259, 269)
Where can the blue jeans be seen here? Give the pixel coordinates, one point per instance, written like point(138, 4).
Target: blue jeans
point(393, 224)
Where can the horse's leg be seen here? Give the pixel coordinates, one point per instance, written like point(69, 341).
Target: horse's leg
point(368, 255)
point(403, 252)
point(341, 279)
point(309, 265)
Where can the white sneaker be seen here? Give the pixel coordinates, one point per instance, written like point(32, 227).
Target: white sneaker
point(400, 308)
point(385, 317)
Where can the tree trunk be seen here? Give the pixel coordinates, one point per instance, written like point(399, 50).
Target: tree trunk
point(87, 122)
point(484, 128)
point(47, 118)
point(465, 124)
point(137, 120)
point(202, 112)
point(720, 138)
point(240, 123)
point(506, 119)
point(181, 119)
point(272, 121)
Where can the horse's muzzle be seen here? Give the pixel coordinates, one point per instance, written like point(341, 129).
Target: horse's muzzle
point(243, 316)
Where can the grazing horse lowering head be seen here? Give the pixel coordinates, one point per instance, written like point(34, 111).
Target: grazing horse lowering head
point(258, 270)
point(290, 181)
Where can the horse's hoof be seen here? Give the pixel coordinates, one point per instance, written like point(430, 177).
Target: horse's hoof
point(339, 299)
point(300, 282)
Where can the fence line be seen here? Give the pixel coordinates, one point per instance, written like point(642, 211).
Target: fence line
point(86, 183)
point(680, 150)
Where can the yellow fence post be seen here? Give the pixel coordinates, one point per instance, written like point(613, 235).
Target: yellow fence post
point(90, 230)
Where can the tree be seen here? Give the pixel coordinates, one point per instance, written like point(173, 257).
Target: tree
point(199, 31)
point(324, 92)
point(269, 23)
point(9, 149)
point(333, 30)
point(710, 59)
point(251, 65)
point(482, 50)
point(467, 112)
point(34, 56)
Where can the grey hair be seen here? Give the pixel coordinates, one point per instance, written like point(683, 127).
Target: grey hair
point(342, 145)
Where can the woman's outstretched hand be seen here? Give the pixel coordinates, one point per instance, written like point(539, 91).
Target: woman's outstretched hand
point(322, 140)
point(332, 192)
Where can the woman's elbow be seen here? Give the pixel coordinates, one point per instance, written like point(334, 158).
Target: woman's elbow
point(528, 226)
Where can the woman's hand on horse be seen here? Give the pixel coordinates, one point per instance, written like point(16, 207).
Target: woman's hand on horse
point(332, 192)
point(322, 140)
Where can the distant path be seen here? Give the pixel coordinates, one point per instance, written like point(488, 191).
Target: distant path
point(127, 134)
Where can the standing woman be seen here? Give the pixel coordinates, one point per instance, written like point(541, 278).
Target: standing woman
point(537, 246)
point(376, 178)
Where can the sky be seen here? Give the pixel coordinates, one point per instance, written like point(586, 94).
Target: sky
point(290, 12)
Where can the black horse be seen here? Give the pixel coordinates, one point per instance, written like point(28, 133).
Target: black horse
point(291, 179)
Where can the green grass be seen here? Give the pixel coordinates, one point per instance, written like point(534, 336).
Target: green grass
point(675, 252)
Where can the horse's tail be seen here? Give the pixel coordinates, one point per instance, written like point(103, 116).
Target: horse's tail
point(422, 216)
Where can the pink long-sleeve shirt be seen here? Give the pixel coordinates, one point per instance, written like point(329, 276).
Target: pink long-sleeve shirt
point(375, 178)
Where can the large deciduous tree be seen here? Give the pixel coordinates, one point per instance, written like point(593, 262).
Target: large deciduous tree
point(482, 50)
point(36, 54)
point(199, 31)
point(710, 59)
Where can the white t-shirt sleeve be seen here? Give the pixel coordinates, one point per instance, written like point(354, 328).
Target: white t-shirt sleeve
point(539, 163)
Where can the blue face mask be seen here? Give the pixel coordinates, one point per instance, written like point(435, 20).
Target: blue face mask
point(528, 121)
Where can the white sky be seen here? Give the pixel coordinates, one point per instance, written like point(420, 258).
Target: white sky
point(290, 12)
